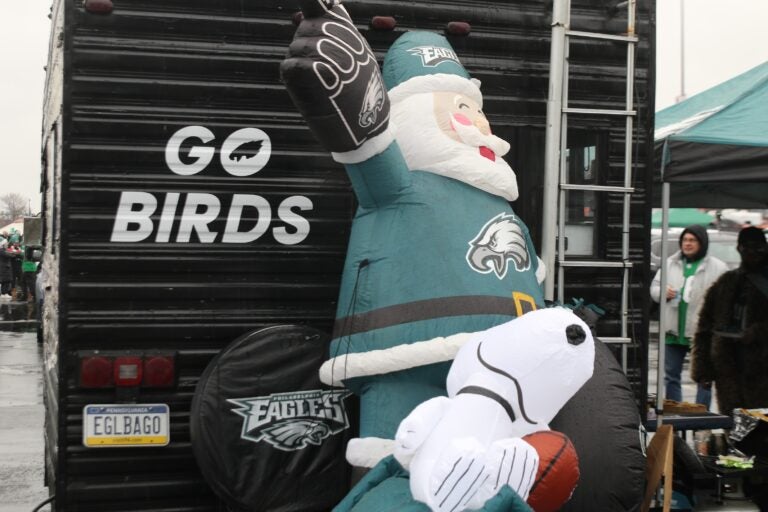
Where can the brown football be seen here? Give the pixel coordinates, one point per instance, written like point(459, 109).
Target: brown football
point(558, 471)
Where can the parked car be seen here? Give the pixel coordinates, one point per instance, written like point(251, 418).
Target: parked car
point(722, 245)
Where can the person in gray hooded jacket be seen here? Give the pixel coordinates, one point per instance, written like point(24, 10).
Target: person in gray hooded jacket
point(690, 273)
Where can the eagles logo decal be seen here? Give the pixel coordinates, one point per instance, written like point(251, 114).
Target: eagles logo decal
point(431, 56)
point(500, 241)
point(296, 434)
point(372, 102)
point(295, 420)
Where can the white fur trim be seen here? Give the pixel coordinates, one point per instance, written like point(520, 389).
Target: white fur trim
point(400, 357)
point(371, 147)
point(440, 82)
point(366, 452)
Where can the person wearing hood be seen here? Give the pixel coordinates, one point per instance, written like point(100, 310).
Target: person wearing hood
point(731, 343)
point(690, 273)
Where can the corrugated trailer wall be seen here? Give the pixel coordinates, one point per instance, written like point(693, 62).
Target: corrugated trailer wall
point(135, 77)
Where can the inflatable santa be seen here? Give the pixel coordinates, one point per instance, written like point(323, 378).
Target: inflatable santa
point(435, 247)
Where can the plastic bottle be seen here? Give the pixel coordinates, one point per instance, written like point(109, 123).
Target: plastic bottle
point(701, 441)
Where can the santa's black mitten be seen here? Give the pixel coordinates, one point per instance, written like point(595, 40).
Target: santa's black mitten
point(334, 80)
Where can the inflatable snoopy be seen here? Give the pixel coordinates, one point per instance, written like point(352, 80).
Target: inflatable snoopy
point(505, 383)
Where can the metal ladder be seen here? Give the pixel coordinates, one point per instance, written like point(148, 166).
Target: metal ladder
point(555, 162)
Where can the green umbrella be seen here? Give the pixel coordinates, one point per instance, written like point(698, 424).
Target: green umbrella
point(683, 217)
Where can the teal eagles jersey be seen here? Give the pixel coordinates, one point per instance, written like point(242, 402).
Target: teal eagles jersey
point(429, 256)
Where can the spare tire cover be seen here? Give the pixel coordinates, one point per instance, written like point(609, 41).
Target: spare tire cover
point(266, 433)
point(603, 422)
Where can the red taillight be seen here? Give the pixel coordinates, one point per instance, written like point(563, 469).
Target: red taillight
point(458, 28)
point(159, 371)
point(128, 370)
point(96, 372)
point(383, 23)
point(98, 6)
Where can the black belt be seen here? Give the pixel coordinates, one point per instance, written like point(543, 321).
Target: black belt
point(424, 310)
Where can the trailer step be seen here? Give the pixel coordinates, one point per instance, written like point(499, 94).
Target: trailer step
point(597, 35)
point(594, 264)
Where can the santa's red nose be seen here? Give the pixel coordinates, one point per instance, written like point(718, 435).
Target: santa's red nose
point(488, 153)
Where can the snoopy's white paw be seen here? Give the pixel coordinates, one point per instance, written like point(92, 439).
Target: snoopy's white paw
point(410, 436)
point(511, 462)
point(416, 427)
point(457, 476)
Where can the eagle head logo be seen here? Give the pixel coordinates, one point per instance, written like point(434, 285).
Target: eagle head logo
point(373, 101)
point(500, 241)
point(296, 434)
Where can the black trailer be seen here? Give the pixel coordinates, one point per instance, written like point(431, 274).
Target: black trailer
point(187, 204)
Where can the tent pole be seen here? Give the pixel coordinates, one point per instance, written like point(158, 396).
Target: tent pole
point(660, 388)
point(552, 144)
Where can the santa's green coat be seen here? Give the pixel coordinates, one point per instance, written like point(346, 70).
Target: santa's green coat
point(408, 277)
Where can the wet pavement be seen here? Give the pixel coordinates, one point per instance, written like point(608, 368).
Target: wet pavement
point(21, 410)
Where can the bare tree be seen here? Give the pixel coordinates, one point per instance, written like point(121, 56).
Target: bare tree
point(13, 206)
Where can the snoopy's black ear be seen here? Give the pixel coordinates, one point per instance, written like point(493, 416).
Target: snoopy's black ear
point(575, 334)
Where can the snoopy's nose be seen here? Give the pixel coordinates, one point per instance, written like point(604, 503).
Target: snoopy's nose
point(575, 334)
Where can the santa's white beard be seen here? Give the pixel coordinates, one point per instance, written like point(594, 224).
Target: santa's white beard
point(427, 148)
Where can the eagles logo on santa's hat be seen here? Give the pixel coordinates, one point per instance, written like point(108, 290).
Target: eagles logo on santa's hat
point(425, 62)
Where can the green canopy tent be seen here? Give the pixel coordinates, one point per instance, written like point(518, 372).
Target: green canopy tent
point(683, 217)
point(713, 147)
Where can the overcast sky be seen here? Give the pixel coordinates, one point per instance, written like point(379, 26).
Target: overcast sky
point(24, 28)
point(721, 39)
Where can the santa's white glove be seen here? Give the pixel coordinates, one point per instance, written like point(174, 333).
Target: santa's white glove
point(416, 427)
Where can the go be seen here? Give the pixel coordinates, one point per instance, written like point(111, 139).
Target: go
point(232, 162)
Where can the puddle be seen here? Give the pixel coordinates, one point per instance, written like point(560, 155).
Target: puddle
point(17, 370)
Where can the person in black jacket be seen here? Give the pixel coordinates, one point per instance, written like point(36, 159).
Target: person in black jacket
point(731, 342)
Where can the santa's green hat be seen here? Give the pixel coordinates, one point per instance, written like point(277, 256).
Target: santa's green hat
point(421, 62)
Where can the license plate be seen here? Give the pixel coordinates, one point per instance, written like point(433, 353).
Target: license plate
point(110, 425)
